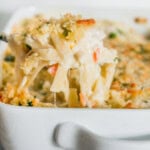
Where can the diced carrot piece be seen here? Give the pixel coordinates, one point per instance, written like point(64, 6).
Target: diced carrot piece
point(95, 104)
point(134, 93)
point(83, 99)
point(96, 54)
point(129, 105)
point(141, 20)
point(133, 85)
point(95, 57)
point(86, 22)
point(53, 69)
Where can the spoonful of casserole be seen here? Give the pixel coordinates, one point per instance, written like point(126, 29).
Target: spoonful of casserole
point(71, 50)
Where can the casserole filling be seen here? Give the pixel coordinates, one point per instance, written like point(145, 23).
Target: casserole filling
point(64, 63)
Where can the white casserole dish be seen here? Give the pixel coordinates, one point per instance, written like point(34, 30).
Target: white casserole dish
point(25, 128)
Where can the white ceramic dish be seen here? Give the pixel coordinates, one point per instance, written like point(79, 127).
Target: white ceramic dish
point(25, 128)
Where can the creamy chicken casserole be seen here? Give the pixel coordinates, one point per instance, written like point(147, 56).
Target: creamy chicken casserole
point(75, 62)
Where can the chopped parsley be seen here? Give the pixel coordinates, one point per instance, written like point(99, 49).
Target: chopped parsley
point(112, 35)
point(142, 50)
point(19, 104)
point(40, 86)
point(30, 103)
point(117, 59)
point(9, 58)
point(145, 101)
point(28, 47)
point(125, 85)
point(148, 36)
point(120, 31)
point(24, 34)
point(146, 59)
point(65, 31)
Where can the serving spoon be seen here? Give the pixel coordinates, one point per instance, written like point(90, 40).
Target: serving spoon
point(71, 136)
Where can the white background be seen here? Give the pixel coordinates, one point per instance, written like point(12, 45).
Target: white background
point(8, 6)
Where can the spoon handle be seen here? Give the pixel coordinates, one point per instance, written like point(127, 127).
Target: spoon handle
point(71, 136)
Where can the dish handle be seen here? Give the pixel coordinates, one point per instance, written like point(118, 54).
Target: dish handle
point(71, 136)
